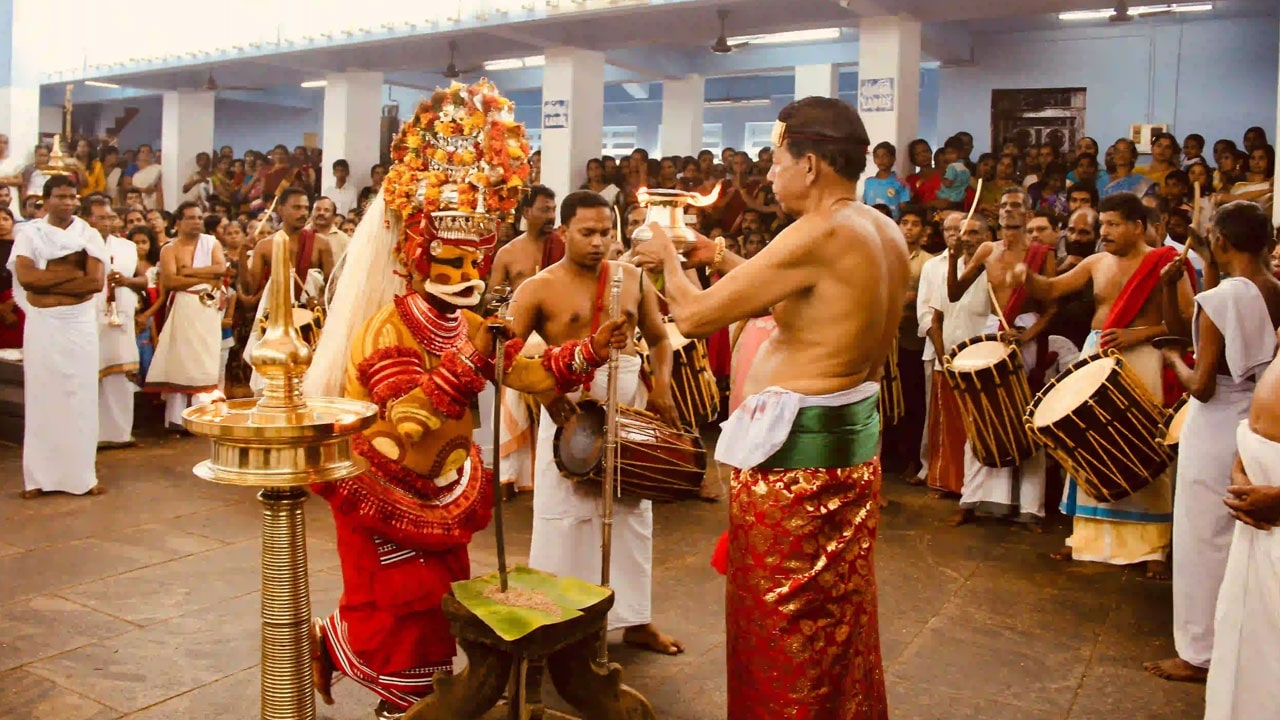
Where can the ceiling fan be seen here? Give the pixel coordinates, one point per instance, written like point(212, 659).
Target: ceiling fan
point(451, 71)
point(721, 45)
point(1122, 13)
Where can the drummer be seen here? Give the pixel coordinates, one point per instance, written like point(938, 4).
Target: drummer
point(1015, 493)
point(563, 303)
point(1127, 289)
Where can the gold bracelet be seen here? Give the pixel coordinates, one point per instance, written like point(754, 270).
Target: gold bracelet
point(719, 256)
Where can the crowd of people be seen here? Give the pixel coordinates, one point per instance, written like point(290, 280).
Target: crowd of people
point(1057, 252)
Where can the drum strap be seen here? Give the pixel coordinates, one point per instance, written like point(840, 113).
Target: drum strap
point(830, 437)
point(602, 291)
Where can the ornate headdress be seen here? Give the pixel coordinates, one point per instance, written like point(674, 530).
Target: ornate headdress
point(460, 163)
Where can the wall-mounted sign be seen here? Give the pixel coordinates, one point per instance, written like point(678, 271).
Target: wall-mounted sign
point(875, 95)
point(555, 114)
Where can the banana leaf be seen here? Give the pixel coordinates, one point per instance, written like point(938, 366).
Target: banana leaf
point(563, 598)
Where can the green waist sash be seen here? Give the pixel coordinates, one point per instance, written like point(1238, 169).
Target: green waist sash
point(830, 437)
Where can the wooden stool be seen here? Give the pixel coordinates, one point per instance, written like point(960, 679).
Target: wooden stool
point(567, 649)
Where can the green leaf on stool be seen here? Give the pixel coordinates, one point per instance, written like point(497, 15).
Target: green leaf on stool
point(565, 595)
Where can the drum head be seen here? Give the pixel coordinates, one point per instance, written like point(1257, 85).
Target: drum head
point(1072, 390)
point(979, 355)
point(580, 441)
point(302, 317)
point(1175, 425)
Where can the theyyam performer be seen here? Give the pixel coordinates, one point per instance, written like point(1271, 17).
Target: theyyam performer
point(801, 619)
point(399, 335)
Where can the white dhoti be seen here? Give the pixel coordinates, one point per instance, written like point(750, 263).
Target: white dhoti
point(1016, 493)
point(118, 351)
point(567, 522)
point(516, 439)
point(1246, 647)
point(186, 359)
point(60, 375)
point(1206, 451)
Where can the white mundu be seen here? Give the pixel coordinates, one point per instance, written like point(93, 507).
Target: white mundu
point(61, 372)
point(567, 518)
point(190, 345)
point(1207, 449)
point(118, 349)
point(1246, 647)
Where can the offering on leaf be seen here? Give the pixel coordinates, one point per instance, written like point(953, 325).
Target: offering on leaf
point(534, 599)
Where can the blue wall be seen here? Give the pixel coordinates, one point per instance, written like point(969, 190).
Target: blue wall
point(6, 41)
point(1214, 77)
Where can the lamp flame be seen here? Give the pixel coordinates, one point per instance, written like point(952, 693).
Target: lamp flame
point(679, 197)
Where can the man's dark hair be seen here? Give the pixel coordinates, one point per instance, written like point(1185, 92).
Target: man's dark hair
point(108, 150)
point(211, 223)
point(706, 153)
point(1257, 129)
point(55, 182)
point(375, 166)
point(1179, 176)
point(331, 202)
point(1155, 217)
point(288, 193)
point(965, 135)
point(917, 211)
point(91, 201)
point(1244, 225)
point(580, 200)
point(1127, 205)
point(886, 146)
point(280, 147)
point(954, 143)
point(180, 212)
point(1087, 156)
point(535, 192)
point(1014, 190)
point(147, 146)
point(340, 163)
point(644, 154)
point(1091, 189)
point(1055, 220)
point(132, 190)
point(829, 129)
point(1195, 137)
point(883, 210)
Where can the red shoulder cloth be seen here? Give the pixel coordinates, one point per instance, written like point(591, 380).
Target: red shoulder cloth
point(1036, 255)
point(306, 248)
point(552, 250)
point(1134, 294)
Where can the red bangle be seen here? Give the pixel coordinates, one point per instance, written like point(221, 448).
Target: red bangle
point(453, 384)
point(560, 361)
point(390, 373)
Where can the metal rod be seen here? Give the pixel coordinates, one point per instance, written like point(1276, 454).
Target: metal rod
point(610, 452)
point(499, 376)
point(287, 690)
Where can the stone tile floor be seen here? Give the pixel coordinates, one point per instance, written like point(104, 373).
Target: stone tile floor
point(142, 604)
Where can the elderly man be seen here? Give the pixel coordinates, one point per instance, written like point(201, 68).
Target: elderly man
point(322, 215)
point(58, 263)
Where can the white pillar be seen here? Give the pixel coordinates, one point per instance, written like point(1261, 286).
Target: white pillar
point(820, 80)
point(572, 116)
point(682, 102)
point(352, 124)
point(20, 90)
point(186, 128)
point(889, 82)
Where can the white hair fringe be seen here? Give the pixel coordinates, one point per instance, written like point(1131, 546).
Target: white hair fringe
point(367, 283)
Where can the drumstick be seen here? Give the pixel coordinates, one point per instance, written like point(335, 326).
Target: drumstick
point(1195, 219)
point(977, 193)
point(610, 455)
point(995, 305)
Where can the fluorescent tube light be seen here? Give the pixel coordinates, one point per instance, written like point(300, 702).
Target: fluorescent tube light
point(315, 83)
point(741, 102)
point(782, 38)
point(516, 63)
point(1137, 11)
point(99, 83)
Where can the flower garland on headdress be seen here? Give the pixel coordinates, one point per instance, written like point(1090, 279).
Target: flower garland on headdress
point(462, 151)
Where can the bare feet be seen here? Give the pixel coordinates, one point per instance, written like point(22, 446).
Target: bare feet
point(1064, 554)
point(650, 638)
point(1158, 570)
point(1177, 670)
point(32, 493)
point(962, 517)
point(321, 664)
point(915, 480)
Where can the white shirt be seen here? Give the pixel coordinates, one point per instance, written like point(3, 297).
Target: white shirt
point(1196, 261)
point(932, 291)
point(344, 197)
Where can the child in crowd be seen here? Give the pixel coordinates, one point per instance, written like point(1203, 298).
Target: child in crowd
point(955, 181)
point(884, 188)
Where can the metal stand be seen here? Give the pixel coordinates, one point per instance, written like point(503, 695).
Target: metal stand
point(287, 690)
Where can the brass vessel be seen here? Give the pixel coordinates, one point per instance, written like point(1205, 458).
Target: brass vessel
point(282, 443)
point(666, 208)
point(58, 162)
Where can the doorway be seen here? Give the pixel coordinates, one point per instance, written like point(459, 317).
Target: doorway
point(1038, 116)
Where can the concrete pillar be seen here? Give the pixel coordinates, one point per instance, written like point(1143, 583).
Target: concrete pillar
point(572, 116)
point(20, 76)
point(820, 80)
point(682, 104)
point(352, 122)
point(889, 82)
point(186, 128)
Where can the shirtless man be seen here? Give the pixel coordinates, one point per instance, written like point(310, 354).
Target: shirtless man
point(295, 210)
point(998, 259)
point(1136, 529)
point(536, 248)
point(563, 303)
point(803, 444)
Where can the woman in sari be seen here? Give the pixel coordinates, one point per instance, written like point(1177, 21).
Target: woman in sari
point(90, 174)
point(147, 320)
point(925, 182)
point(281, 172)
point(1258, 184)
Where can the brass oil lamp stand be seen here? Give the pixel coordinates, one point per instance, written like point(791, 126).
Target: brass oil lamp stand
point(282, 443)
